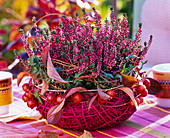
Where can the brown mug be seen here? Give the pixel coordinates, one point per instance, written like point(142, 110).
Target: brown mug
point(6, 95)
point(161, 73)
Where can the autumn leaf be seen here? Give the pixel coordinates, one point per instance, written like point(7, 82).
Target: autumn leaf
point(86, 134)
point(91, 100)
point(3, 32)
point(44, 55)
point(15, 34)
point(14, 45)
point(155, 87)
point(48, 6)
point(128, 81)
point(52, 73)
point(73, 90)
point(45, 86)
point(129, 92)
point(3, 65)
point(54, 114)
point(20, 76)
point(20, 7)
point(103, 95)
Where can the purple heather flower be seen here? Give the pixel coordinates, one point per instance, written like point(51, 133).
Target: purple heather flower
point(94, 47)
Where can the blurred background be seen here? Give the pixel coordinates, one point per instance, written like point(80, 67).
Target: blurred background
point(15, 14)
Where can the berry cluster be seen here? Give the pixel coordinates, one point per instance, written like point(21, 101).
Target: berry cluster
point(141, 91)
point(57, 98)
point(28, 96)
point(50, 97)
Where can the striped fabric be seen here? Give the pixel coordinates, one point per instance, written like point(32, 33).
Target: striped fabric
point(150, 121)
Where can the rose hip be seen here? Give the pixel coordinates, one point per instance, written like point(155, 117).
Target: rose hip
point(111, 93)
point(51, 98)
point(99, 99)
point(140, 88)
point(26, 87)
point(58, 99)
point(77, 97)
point(147, 83)
point(31, 103)
point(144, 93)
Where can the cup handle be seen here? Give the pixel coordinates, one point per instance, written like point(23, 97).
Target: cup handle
point(149, 71)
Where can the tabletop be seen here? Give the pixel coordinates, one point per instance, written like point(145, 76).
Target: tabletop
point(149, 121)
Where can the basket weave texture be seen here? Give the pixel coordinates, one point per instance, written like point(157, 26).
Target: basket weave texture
point(77, 116)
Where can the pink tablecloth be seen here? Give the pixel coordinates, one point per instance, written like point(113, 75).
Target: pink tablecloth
point(149, 121)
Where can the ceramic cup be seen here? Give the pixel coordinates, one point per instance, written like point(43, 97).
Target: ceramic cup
point(161, 73)
point(6, 95)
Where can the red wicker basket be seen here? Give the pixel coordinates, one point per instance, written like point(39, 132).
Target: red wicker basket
point(77, 115)
point(84, 56)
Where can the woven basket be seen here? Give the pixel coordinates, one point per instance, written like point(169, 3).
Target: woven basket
point(77, 116)
point(97, 59)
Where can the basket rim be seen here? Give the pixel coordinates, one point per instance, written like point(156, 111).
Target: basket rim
point(104, 105)
point(92, 90)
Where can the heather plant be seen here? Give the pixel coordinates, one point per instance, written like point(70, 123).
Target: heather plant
point(86, 55)
point(84, 72)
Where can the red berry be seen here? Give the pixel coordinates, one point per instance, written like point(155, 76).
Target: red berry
point(99, 99)
point(28, 94)
point(77, 97)
point(147, 83)
point(26, 87)
point(140, 88)
point(137, 100)
point(58, 99)
point(51, 98)
point(144, 93)
point(111, 93)
point(31, 103)
point(25, 98)
point(141, 99)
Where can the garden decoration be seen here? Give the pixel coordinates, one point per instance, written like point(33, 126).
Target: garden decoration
point(85, 76)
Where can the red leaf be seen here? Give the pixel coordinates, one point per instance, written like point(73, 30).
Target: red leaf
point(54, 114)
point(3, 32)
point(15, 34)
point(103, 95)
point(45, 86)
point(20, 76)
point(16, 45)
point(128, 81)
point(91, 100)
point(155, 87)
point(71, 91)
point(129, 92)
point(3, 65)
point(51, 71)
point(48, 6)
point(44, 55)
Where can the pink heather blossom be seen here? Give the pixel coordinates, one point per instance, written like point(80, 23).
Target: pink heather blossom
point(93, 47)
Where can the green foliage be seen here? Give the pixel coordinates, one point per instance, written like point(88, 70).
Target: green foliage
point(37, 96)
